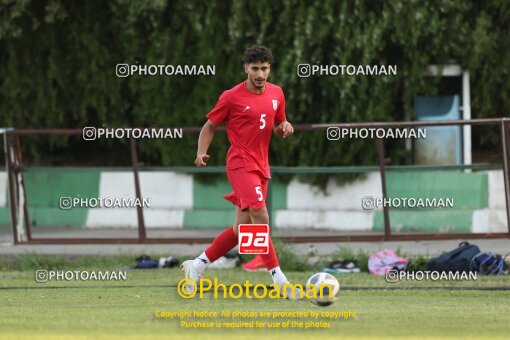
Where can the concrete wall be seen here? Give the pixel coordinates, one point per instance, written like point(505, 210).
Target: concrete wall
point(180, 201)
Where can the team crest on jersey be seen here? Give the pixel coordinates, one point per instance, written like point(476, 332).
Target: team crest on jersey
point(275, 104)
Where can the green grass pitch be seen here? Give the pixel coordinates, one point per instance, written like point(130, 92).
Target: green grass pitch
point(126, 309)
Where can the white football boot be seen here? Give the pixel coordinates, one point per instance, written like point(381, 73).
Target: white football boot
point(190, 273)
point(299, 294)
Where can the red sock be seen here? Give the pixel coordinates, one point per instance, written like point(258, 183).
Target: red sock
point(222, 244)
point(270, 258)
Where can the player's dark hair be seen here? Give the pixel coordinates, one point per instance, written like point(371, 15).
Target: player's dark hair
point(258, 53)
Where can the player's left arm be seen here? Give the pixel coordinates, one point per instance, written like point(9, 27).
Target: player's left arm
point(282, 127)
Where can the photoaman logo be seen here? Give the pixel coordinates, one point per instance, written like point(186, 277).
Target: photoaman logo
point(253, 238)
point(250, 291)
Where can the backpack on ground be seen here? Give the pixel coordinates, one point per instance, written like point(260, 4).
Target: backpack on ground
point(488, 264)
point(457, 260)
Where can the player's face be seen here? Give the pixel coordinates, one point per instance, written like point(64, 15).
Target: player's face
point(257, 73)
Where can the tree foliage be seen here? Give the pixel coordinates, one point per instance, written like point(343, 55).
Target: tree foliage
point(57, 66)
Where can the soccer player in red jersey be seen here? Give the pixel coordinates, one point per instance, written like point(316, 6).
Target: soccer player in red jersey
point(251, 111)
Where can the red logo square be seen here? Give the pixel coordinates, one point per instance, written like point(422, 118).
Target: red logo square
point(253, 239)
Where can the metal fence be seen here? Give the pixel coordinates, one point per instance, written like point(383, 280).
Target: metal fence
point(20, 213)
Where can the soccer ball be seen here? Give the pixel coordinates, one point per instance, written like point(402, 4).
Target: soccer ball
point(329, 286)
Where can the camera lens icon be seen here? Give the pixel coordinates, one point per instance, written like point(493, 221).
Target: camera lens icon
point(65, 203)
point(89, 133)
point(333, 133)
point(41, 276)
point(391, 276)
point(304, 70)
point(122, 70)
point(368, 203)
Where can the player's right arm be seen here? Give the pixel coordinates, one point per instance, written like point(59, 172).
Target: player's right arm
point(204, 142)
point(217, 115)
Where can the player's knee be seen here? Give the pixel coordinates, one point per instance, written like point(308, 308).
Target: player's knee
point(259, 214)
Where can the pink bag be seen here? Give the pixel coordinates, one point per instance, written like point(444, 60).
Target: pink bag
point(380, 262)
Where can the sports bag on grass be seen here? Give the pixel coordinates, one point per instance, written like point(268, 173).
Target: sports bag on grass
point(488, 264)
point(457, 260)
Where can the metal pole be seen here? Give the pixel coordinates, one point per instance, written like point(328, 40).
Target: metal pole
point(506, 172)
point(466, 115)
point(139, 208)
point(386, 209)
point(19, 160)
point(12, 194)
point(296, 239)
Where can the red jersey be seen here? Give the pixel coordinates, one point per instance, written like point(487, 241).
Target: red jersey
point(249, 119)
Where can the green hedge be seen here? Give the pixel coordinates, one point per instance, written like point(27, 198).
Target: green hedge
point(57, 68)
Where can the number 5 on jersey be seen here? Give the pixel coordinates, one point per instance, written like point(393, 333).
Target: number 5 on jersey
point(262, 121)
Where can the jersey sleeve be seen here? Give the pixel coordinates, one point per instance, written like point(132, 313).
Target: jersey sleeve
point(280, 113)
point(220, 111)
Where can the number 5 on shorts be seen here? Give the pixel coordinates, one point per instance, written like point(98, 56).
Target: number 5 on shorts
point(258, 190)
